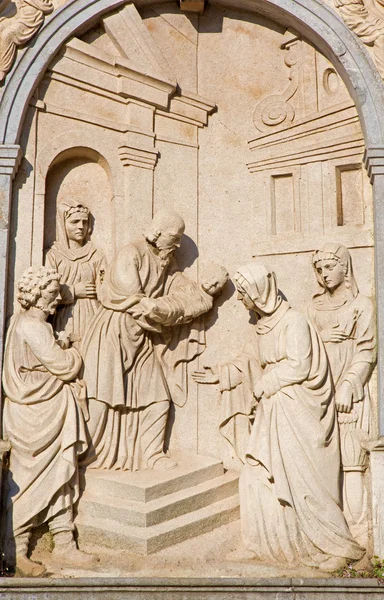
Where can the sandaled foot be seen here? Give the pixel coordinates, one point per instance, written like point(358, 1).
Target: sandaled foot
point(28, 567)
point(164, 463)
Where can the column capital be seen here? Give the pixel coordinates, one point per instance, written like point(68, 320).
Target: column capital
point(374, 161)
point(10, 158)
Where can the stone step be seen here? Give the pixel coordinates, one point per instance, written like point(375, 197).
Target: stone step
point(119, 536)
point(144, 486)
point(95, 506)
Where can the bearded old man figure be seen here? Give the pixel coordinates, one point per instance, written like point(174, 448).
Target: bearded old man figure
point(129, 398)
point(44, 423)
point(289, 488)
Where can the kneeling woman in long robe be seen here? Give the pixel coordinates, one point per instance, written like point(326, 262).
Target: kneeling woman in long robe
point(289, 488)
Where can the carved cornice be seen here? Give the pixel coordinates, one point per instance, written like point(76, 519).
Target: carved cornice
point(374, 161)
point(10, 157)
point(18, 28)
point(138, 157)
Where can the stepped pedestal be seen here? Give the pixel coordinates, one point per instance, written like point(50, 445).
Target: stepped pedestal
point(147, 511)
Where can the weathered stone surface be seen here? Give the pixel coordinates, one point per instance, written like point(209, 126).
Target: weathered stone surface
point(253, 121)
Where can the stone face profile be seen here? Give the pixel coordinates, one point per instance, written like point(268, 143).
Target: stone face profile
point(81, 267)
point(345, 319)
point(289, 487)
point(129, 398)
point(44, 424)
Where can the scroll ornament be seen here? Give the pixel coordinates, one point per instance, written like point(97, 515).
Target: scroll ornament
point(366, 19)
point(277, 110)
point(18, 29)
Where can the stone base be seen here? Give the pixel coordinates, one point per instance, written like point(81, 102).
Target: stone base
point(146, 511)
point(194, 589)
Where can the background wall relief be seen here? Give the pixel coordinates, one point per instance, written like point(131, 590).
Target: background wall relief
point(262, 157)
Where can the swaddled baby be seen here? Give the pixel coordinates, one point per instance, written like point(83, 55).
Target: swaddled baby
point(188, 300)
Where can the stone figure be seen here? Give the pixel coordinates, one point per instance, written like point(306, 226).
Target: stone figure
point(178, 345)
point(44, 424)
point(18, 29)
point(81, 267)
point(176, 307)
point(345, 320)
point(364, 19)
point(289, 487)
point(129, 398)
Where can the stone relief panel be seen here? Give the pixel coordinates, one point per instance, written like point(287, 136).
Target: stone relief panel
point(155, 144)
point(19, 22)
point(366, 19)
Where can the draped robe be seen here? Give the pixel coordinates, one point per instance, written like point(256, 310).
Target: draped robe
point(289, 487)
point(42, 421)
point(121, 368)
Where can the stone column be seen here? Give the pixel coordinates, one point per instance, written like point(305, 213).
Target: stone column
point(374, 160)
point(10, 157)
point(139, 157)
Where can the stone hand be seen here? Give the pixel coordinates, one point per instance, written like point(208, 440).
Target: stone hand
point(344, 398)
point(209, 375)
point(149, 309)
point(85, 290)
point(334, 335)
point(64, 339)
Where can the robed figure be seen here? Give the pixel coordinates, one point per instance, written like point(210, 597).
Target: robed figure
point(345, 320)
point(289, 488)
point(43, 421)
point(129, 397)
point(81, 267)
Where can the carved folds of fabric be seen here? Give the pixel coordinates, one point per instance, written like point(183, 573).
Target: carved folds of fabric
point(19, 29)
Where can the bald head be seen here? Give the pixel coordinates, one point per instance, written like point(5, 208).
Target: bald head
point(166, 229)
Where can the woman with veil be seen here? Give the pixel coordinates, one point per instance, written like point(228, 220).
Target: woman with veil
point(81, 267)
point(345, 320)
point(289, 487)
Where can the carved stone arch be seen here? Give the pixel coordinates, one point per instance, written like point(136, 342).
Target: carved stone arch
point(62, 148)
point(310, 18)
point(59, 161)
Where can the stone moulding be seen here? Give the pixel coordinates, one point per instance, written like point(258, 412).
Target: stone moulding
point(181, 588)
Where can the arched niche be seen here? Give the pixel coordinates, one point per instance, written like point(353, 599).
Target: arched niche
point(83, 174)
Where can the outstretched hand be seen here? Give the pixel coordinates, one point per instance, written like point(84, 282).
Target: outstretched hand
point(209, 375)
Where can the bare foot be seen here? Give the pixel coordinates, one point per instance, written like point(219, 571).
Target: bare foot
point(28, 567)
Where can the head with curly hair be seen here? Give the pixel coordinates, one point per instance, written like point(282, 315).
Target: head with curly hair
point(39, 287)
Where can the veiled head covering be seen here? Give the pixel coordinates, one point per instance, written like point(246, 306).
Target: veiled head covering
point(259, 283)
point(338, 252)
point(61, 244)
